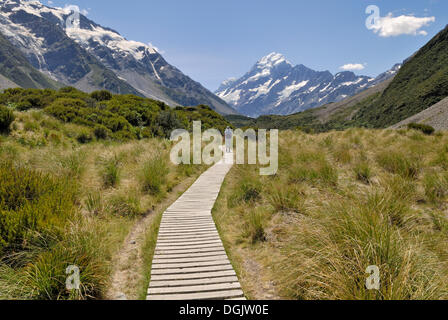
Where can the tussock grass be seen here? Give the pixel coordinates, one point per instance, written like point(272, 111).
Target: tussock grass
point(154, 175)
point(320, 172)
point(287, 198)
point(110, 172)
point(343, 201)
point(94, 203)
point(406, 165)
point(254, 226)
point(248, 191)
point(32, 202)
point(126, 204)
point(436, 186)
point(82, 247)
point(363, 172)
point(63, 202)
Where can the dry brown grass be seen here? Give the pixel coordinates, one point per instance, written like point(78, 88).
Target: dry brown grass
point(343, 201)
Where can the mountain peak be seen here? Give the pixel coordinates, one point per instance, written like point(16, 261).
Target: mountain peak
point(272, 60)
point(275, 86)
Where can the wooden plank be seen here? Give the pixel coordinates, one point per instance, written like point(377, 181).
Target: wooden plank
point(197, 230)
point(191, 276)
point(188, 260)
point(194, 227)
point(194, 239)
point(179, 234)
point(218, 295)
point(191, 251)
point(193, 282)
point(194, 264)
point(190, 255)
point(190, 244)
point(195, 289)
point(202, 248)
point(188, 234)
point(199, 270)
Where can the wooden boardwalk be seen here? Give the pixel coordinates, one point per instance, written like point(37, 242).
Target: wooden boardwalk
point(190, 262)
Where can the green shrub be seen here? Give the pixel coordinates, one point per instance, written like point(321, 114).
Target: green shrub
point(250, 191)
point(102, 95)
point(6, 119)
point(125, 117)
point(168, 121)
point(84, 137)
point(426, 129)
point(101, 132)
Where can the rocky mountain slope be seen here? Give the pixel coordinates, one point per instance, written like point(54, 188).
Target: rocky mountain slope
point(16, 71)
point(275, 86)
point(89, 57)
point(142, 67)
point(435, 116)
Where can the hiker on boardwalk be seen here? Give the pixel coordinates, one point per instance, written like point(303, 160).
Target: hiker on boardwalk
point(229, 141)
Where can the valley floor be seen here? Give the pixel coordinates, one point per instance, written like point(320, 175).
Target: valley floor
point(341, 202)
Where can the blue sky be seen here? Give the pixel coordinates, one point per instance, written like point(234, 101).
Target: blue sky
point(212, 40)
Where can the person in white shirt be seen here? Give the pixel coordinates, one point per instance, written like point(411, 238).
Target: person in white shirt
point(229, 142)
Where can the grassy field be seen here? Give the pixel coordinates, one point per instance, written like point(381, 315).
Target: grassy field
point(341, 201)
point(65, 201)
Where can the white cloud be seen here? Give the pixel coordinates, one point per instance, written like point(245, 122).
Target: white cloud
point(390, 26)
point(353, 67)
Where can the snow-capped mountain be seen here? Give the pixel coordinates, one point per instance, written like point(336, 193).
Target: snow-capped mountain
point(91, 57)
point(36, 31)
point(142, 66)
point(275, 86)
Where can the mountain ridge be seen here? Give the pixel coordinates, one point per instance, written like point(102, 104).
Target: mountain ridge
point(275, 86)
point(90, 63)
point(418, 92)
